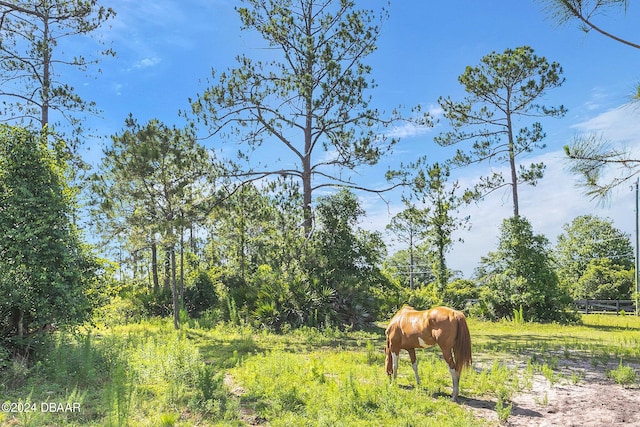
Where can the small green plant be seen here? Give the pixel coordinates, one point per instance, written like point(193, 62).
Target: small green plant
point(518, 316)
point(372, 357)
point(29, 417)
point(208, 382)
point(168, 419)
point(503, 412)
point(183, 316)
point(234, 316)
point(576, 377)
point(120, 395)
point(549, 374)
point(544, 401)
point(623, 375)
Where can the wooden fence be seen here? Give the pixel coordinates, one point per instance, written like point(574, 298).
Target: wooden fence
point(605, 306)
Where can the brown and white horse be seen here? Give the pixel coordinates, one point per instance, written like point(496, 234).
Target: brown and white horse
point(410, 329)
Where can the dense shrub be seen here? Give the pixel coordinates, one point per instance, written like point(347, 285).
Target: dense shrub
point(201, 295)
point(603, 279)
point(520, 274)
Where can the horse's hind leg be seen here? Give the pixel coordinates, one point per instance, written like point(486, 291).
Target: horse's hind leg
point(414, 364)
point(455, 378)
point(455, 375)
point(448, 357)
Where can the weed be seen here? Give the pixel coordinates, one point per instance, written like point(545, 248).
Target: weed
point(518, 316)
point(503, 412)
point(372, 354)
point(168, 419)
point(17, 372)
point(544, 401)
point(549, 374)
point(31, 416)
point(577, 376)
point(234, 316)
point(120, 394)
point(623, 375)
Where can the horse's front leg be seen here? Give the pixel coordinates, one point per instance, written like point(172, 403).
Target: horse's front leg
point(414, 363)
point(394, 363)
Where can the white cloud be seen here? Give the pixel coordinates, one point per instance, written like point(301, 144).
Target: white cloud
point(117, 88)
point(620, 125)
point(409, 130)
point(147, 62)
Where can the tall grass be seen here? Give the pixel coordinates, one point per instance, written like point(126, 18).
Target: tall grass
point(324, 388)
point(148, 374)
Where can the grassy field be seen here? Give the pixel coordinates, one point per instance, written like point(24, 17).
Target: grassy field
point(147, 374)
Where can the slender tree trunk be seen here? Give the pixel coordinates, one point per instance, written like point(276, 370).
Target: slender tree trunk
point(182, 265)
point(154, 267)
point(411, 262)
point(167, 268)
point(514, 182)
point(46, 71)
point(443, 277)
point(512, 164)
point(20, 323)
point(174, 291)
point(308, 142)
point(134, 260)
point(307, 197)
point(241, 248)
point(192, 239)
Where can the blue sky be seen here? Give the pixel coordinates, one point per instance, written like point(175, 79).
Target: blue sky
point(166, 49)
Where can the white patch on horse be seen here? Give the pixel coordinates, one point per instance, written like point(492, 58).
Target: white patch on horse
point(394, 361)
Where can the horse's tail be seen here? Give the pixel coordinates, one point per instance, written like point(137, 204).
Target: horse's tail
point(462, 346)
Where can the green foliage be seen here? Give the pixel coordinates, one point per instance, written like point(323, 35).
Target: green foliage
point(594, 258)
point(46, 273)
point(520, 274)
point(148, 374)
point(398, 268)
point(624, 375)
point(518, 316)
point(120, 396)
point(424, 297)
point(441, 222)
point(459, 292)
point(346, 261)
point(285, 387)
point(118, 311)
point(201, 294)
point(150, 188)
point(410, 265)
point(603, 279)
point(503, 412)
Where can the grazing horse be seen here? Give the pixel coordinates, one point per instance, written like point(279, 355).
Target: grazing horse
point(410, 329)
